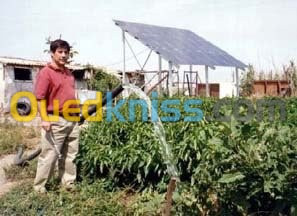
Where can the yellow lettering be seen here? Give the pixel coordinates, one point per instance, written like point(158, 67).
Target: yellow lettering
point(67, 110)
point(14, 110)
point(43, 111)
point(98, 103)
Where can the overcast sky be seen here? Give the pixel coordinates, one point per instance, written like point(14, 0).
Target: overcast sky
point(260, 32)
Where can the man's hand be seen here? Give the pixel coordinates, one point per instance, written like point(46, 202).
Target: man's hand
point(46, 125)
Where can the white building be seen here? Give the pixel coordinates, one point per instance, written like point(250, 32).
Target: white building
point(18, 74)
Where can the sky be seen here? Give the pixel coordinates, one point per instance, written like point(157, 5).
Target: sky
point(258, 32)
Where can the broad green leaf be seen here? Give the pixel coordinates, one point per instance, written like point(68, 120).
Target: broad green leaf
point(231, 177)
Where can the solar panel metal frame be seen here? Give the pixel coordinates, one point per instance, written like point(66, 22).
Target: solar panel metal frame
point(179, 46)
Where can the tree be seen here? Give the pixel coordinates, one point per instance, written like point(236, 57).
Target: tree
point(291, 74)
point(261, 75)
point(246, 82)
point(72, 52)
point(277, 76)
point(101, 81)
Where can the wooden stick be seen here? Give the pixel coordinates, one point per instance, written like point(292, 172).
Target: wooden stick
point(168, 204)
point(158, 83)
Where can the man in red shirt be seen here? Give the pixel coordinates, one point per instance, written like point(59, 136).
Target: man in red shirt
point(59, 139)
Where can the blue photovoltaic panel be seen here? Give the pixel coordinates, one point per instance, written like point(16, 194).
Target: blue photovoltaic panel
point(180, 46)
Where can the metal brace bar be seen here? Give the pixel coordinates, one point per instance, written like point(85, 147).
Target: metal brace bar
point(133, 53)
point(146, 60)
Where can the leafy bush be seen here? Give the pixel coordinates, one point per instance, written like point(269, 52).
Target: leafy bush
point(102, 81)
point(225, 168)
point(247, 80)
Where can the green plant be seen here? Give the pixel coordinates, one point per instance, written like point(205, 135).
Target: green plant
point(101, 81)
point(226, 168)
point(88, 199)
point(146, 203)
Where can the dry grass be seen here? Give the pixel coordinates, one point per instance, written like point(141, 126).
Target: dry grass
point(17, 173)
point(13, 136)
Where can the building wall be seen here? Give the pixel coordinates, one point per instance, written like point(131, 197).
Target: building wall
point(214, 89)
point(227, 89)
point(85, 94)
point(2, 86)
point(12, 86)
point(220, 90)
point(81, 84)
point(270, 87)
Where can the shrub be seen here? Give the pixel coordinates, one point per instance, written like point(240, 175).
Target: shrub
point(224, 167)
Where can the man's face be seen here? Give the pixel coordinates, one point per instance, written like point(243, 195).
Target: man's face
point(60, 56)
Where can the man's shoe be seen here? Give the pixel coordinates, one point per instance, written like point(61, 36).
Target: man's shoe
point(40, 190)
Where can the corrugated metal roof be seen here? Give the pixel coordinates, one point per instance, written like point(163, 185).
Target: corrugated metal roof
point(113, 72)
point(21, 61)
point(180, 46)
point(26, 62)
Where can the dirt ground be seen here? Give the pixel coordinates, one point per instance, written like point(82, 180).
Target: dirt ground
point(30, 137)
point(5, 185)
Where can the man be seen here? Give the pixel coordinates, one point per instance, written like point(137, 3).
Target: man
point(59, 139)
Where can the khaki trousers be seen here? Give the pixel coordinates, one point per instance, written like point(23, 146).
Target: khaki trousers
point(59, 144)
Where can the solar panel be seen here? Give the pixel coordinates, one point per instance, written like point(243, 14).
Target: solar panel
point(180, 46)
